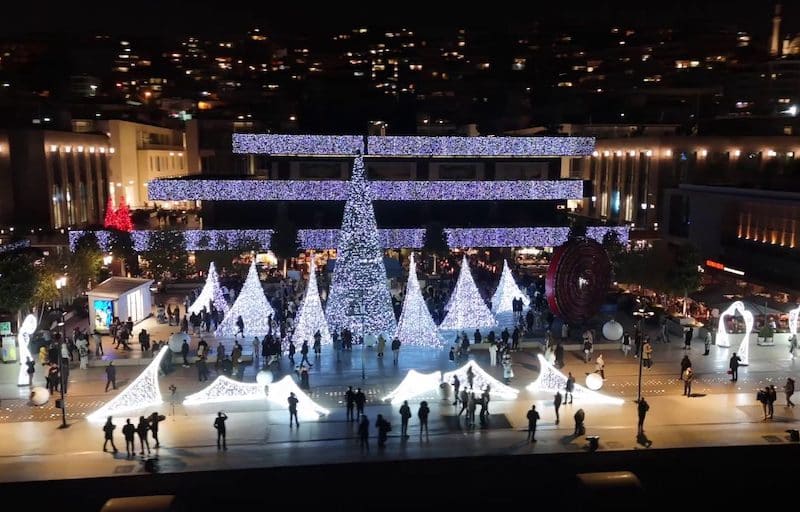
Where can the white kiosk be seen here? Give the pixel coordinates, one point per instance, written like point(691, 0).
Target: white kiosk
point(121, 297)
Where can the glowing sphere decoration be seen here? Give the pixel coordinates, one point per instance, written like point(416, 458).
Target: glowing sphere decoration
point(264, 377)
point(577, 280)
point(594, 381)
point(176, 341)
point(39, 396)
point(612, 330)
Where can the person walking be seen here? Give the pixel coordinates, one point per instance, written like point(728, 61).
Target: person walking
point(350, 402)
point(405, 414)
point(493, 354)
point(317, 344)
point(456, 387)
point(363, 432)
point(600, 366)
point(559, 355)
point(239, 327)
point(141, 429)
point(587, 349)
point(647, 355)
point(155, 419)
point(533, 417)
point(763, 397)
point(111, 375)
point(707, 342)
point(422, 414)
point(626, 344)
point(557, 404)
point(396, 350)
point(687, 338)
point(256, 347)
point(219, 424)
point(31, 369)
point(292, 350)
point(129, 431)
point(568, 388)
point(304, 353)
point(185, 353)
point(733, 365)
point(642, 408)
point(792, 345)
point(383, 427)
point(685, 363)
point(688, 377)
point(108, 435)
point(788, 388)
point(293, 410)
point(772, 397)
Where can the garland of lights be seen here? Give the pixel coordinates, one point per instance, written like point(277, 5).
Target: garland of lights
point(142, 393)
point(551, 380)
point(13, 246)
point(413, 385)
point(416, 326)
point(27, 328)
point(321, 239)
point(178, 189)
point(331, 145)
point(278, 393)
point(252, 305)
point(312, 317)
point(507, 291)
point(480, 380)
point(466, 308)
point(724, 338)
point(211, 292)
point(360, 299)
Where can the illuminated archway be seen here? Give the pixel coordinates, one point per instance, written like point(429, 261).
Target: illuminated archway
point(724, 337)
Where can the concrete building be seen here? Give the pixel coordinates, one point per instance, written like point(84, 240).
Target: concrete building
point(53, 179)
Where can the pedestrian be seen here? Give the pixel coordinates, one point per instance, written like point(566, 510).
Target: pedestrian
point(557, 404)
point(350, 401)
point(647, 355)
point(405, 414)
point(456, 387)
point(642, 409)
point(361, 399)
point(422, 414)
point(155, 419)
point(763, 397)
point(600, 367)
point(793, 345)
point(559, 355)
point(688, 377)
point(304, 353)
point(293, 410)
point(239, 327)
point(493, 354)
point(363, 432)
point(383, 427)
point(687, 338)
point(256, 346)
point(129, 431)
point(508, 370)
point(626, 344)
point(292, 350)
point(685, 363)
point(317, 344)
point(580, 429)
point(568, 388)
point(219, 424)
point(396, 349)
point(707, 342)
point(381, 345)
point(587, 349)
point(202, 369)
point(31, 364)
point(111, 375)
point(108, 435)
point(452, 355)
point(733, 366)
point(772, 397)
point(533, 417)
point(141, 430)
point(788, 388)
point(470, 377)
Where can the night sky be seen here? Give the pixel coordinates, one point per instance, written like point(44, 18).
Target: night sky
point(176, 17)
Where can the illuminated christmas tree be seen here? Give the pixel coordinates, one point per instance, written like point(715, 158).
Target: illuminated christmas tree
point(110, 219)
point(507, 291)
point(252, 305)
point(211, 292)
point(359, 298)
point(467, 310)
point(123, 216)
point(312, 317)
point(416, 326)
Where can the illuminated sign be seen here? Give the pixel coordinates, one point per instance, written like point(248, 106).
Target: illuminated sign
point(719, 266)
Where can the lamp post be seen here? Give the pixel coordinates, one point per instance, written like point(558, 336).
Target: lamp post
point(62, 375)
point(641, 314)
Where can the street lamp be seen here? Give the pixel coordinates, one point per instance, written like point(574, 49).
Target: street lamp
point(107, 259)
point(61, 283)
point(62, 404)
point(641, 314)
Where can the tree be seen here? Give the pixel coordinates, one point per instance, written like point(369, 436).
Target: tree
point(507, 290)
point(46, 275)
point(467, 310)
point(123, 216)
point(85, 263)
point(252, 305)
point(211, 292)
point(683, 276)
point(359, 298)
point(284, 240)
point(615, 251)
point(416, 326)
point(18, 281)
point(166, 254)
point(435, 242)
point(120, 245)
point(110, 218)
point(311, 317)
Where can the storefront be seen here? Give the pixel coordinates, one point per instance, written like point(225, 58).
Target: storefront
point(120, 297)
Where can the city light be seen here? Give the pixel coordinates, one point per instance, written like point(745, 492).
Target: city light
point(413, 385)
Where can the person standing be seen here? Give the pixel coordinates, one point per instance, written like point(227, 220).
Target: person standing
point(111, 375)
point(141, 430)
point(733, 365)
point(422, 414)
point(155, 419)
point(31, 369)
point(256, 347)
point(788, 388)
point(533, 417)
point(317, 344)
point(600, 366)
point(707, 342)
point(452, 355)
point(405, 414)
point(580, 417)
point(185, 352)
point(568, 388)
point(456, 387)
point(557, 404)
point(493, 354)
point(129, 431)
point(219, 424)
point(642, 409)
point(202, 369)
point(350, 401)
point(688, 377)
point(647, 355)
point(381, 345)
point(763, 397)
point(108, 435)
point(361, 399)
point(383, 427)
point(293, 410)
point(626, 344)
point(363, 432)
point(687, 339)
point(239, 327)
point(685, 363)
point(559, 355)
point(304, 353)
point(396, 349)
point(291, 352)
point(772, 397)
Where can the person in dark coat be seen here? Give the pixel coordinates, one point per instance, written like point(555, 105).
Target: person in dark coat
point(383, 427)
point(580, 429)
point(293, 410)
point(363, 432)
point(111, 375)
point(129, 431)
point(557, 404)
point(685, 363)
point(533, 417)
point(642, 408)
point(422, 414)
point(108, 435)
point(219, 424)
point(405, 415)
point(141, 429)
point(155, 419)
point(350, 401)
point(734, 367)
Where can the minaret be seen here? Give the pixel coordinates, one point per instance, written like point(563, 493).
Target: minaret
point(775, 39)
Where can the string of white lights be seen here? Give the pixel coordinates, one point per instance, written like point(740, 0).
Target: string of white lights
point(311, 317)
point(414, 384)
point(481, 379)
point(724, 337)
point(416, 326)
point(507, 291)
point(551, 380)
point(467, 310)
point(211, 292)
point(252, 306)
point(27, 328)
point(224, 389)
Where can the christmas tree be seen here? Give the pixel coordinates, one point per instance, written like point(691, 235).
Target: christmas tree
point(110, 220)
point(360, 299)
point(252, 305)
point(211, 292)
point(416, 326)
point(312, 317)
point(467, 311)
point(507, 291)
point(123, 216)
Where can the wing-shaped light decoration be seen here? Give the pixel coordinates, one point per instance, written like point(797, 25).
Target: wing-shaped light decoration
point(142, 393)
point(793, 316)
point(278, 393)
point(724, 338)
point(224, 389)
point(480, 380)
point(414, 384)
point(27, 328)
point(551, 380)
